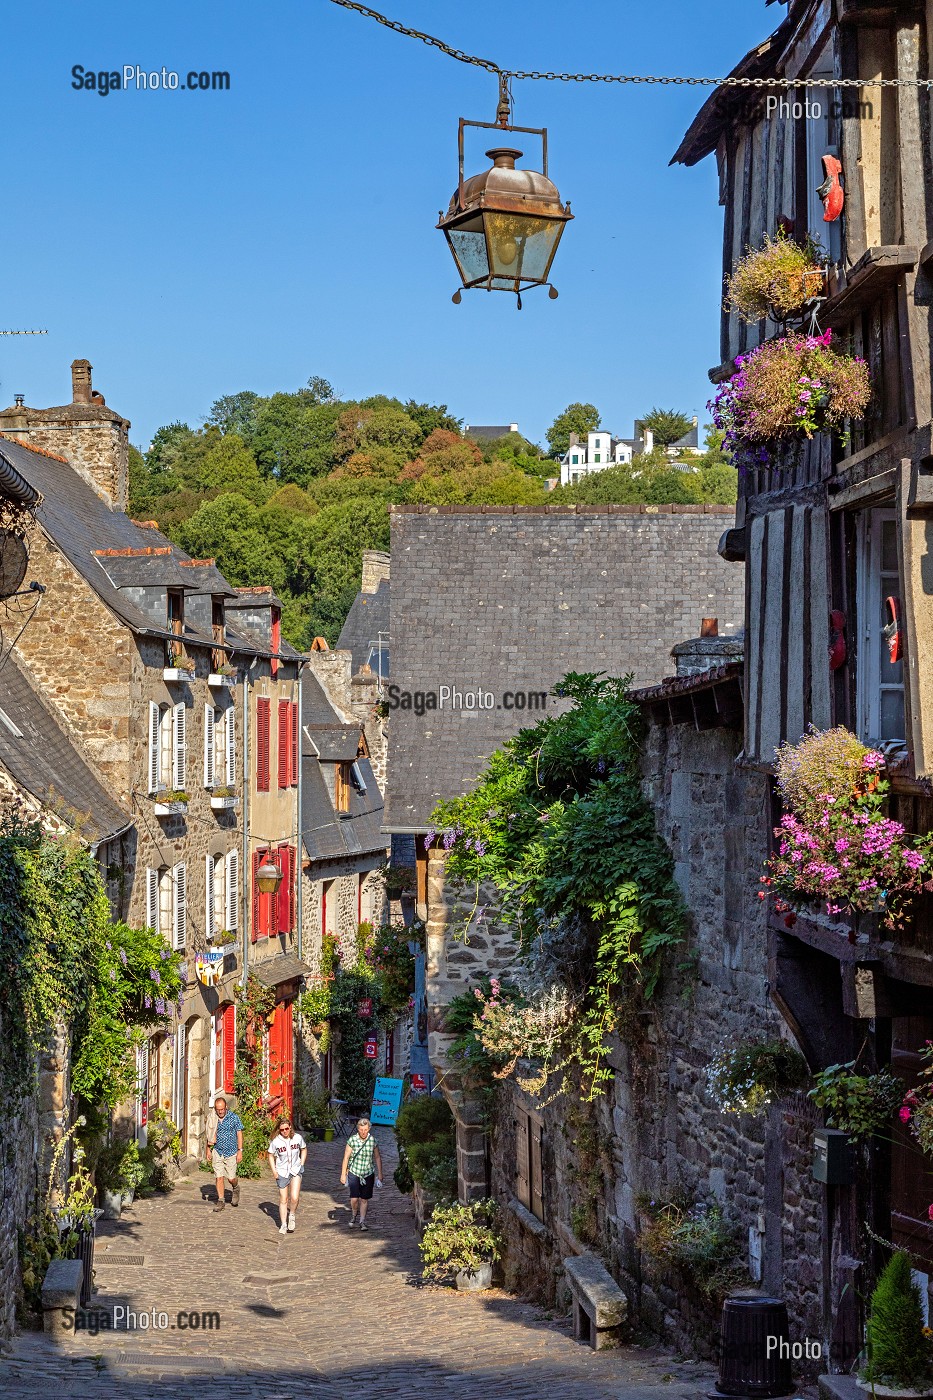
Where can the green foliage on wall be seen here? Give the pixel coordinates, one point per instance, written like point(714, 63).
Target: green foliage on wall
point(62, 960)
point(558, 824)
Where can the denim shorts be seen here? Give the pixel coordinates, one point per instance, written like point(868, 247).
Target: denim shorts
point(361, 1187)
point(283, 1181)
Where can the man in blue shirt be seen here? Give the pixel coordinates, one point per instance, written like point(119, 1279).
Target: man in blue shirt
point(225, 1150)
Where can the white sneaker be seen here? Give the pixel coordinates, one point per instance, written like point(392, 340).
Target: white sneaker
point(291, 1221)
point(283, 1229)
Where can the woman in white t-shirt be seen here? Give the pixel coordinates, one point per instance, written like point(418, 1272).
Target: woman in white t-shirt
point(287, 1153)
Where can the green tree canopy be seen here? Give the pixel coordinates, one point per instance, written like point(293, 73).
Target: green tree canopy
point(668, 425)
point(579, 418)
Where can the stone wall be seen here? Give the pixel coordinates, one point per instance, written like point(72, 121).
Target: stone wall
point(656, 1135)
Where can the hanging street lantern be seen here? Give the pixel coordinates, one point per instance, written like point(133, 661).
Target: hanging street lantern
point(503, 226)
point(268, 878)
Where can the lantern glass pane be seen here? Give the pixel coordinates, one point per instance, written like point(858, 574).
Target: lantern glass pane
point(521, 247)
point(468, 245)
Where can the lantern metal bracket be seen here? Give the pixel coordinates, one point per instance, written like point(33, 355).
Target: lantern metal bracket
point(497, 126)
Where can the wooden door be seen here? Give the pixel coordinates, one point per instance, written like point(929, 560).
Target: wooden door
point(281, 1077)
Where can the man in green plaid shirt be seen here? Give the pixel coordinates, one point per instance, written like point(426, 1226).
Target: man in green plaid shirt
point(358, 1168)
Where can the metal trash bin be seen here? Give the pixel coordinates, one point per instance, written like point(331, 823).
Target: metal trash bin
point(747, 1364)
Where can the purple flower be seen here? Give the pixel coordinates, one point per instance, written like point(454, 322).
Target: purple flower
point(160, 1006)
point(123, 957)
point(164, 953)
point(147, 1002)
point(154, 975)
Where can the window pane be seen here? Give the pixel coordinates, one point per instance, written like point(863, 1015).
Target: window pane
point(469, 248)
point(892, 714)
point(889, 564)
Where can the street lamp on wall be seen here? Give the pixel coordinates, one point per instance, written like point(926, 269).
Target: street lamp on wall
point(503, 225)
point(268, 878)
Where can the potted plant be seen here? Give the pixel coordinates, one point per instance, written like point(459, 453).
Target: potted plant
point(783, 392)
point(835, 844)
point(315, 1115)
point(119, 1173)
point(899, 1354)
point(776, 279)
point(169, 804)
point(750, 1076)
point(399, 880)
point(857, 1104)
point(462, 1242)
point(223, 798)
point(224, 938)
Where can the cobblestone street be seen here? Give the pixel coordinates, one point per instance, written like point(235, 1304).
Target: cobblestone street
point(325, 1312)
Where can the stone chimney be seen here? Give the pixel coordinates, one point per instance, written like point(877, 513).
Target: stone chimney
point(90, 436)
point(375, 569)
point(81, 381)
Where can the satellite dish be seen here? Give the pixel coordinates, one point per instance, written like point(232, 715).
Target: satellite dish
point(14, 560)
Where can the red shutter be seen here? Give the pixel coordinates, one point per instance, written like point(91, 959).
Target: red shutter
point(285, 856)
point(295, 876)
point(263, 720)
point(257, 897)
point(229, 1047)
point(294, 737)
point(284, 743)
point(281, 1048)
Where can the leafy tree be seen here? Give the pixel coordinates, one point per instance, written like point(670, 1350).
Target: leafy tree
point(430, 416)
point(377, 422)
point(294, 439)
point(319, 390)
point(163, 439)
point(899, 1354)
point(668, 425)
point(442, 453)
point(236, 413)
point(229, 466)
point(652, 479)
point(579, 418)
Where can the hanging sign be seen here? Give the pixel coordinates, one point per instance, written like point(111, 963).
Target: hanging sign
point(419, 1084)
point(387, 1100)
point(371, 1048)
point(365, 1008)
point(207, 966)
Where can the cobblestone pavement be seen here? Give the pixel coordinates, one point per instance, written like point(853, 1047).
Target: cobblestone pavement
point(324, 1313)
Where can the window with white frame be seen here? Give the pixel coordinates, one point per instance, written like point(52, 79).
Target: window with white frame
point(880, 681)
point(232, 878)
point(210, 732)
point(214, 895)
point(229, 742)
point(179, 742)
point(179, 895)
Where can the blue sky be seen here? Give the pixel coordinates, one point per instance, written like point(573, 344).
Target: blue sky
point(195, 244)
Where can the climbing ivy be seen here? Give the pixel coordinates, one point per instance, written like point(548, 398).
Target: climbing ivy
point(63, 961)
point(560, 827)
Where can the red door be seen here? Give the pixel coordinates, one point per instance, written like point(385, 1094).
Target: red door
point(281, 1077)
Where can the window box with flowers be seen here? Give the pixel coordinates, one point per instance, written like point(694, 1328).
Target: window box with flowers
point(225, 677)
point(224, 799)
point(171, 804)
point(835, 845)
point(777, 279)
point(179, 666)
point(784, 392)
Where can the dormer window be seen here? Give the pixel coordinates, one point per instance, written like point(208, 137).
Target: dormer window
point(176, 611)
point(218, 634)
point(276, 638)
point(342, 780)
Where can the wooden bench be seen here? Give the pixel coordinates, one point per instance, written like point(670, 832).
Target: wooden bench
point(61, 1295)
point(599, 1305)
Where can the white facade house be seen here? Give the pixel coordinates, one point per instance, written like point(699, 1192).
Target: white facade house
point(601, 450)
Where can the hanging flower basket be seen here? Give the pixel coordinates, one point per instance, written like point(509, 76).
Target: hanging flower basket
point(776, 279)
point(835, 844)
point(784, 392)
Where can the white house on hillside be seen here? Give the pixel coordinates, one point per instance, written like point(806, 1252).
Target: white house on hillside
point(601, 450)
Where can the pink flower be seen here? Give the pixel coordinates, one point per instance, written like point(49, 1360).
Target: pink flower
point(904, 1115)
point(930, 1212)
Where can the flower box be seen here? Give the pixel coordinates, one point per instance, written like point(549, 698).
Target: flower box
point(177, 673)
point(224, 804)
point(170, 809)
point(222, 682)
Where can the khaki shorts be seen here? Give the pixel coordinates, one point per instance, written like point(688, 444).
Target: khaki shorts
point(224, 1166)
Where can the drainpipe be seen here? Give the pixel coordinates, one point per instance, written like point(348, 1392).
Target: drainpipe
point(299, 904)
point(246, 872)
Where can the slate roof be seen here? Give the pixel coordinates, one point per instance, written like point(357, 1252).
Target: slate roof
point(45, 761)
point(14, 486)
point(509, 599)
point(203, 576)
point(327, 835)
point(359, 635)
point(85, 527)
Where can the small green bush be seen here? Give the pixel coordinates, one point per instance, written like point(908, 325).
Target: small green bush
point(426, 1135)
point(460, 1238)
point(898, 1352)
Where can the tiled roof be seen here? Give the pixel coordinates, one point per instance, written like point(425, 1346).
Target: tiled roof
point(368, 616)
point(45, 761)
point(509, 600)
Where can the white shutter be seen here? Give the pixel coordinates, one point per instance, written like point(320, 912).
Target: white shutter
point(233, 890)
point(230, 736)
point(155, 753)
point(208, 746)
point(209, 896)
point(152, 899)
point(179, 911)
point(179, 747)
